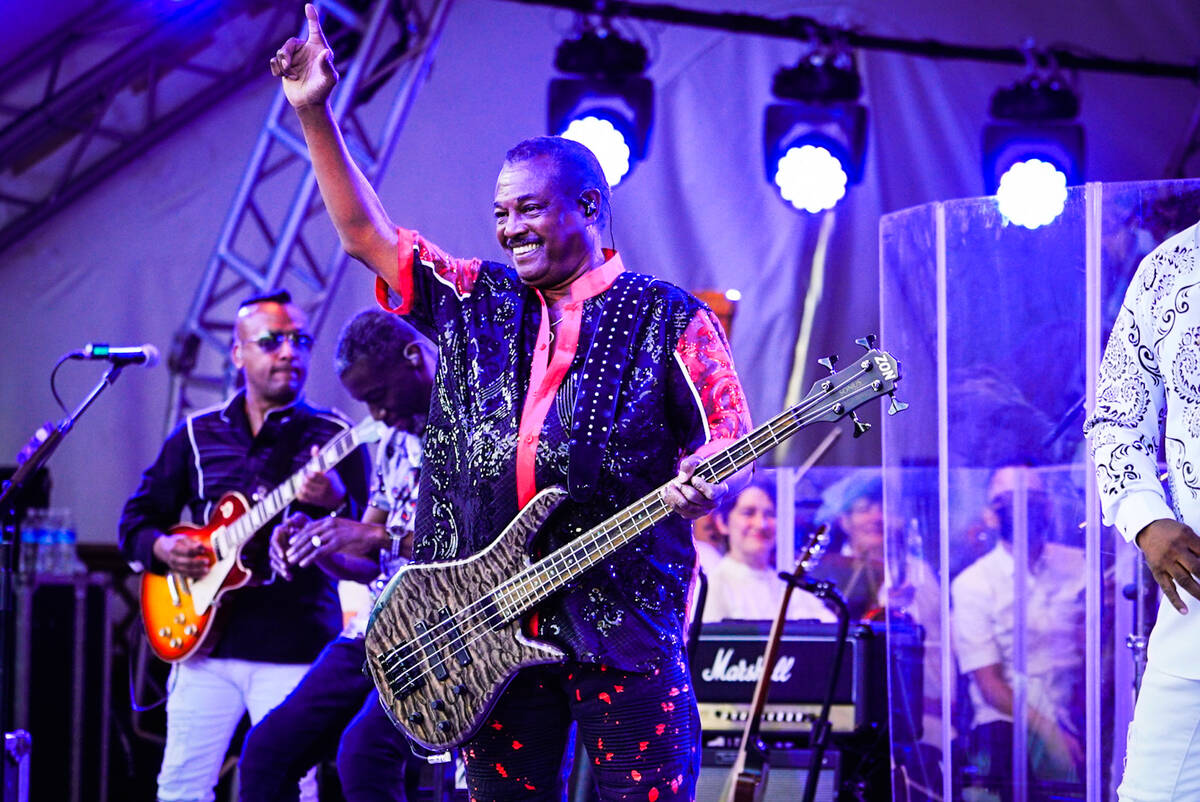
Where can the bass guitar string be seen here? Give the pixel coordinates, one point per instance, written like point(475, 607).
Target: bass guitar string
point(510, 591)
point(464, 639)
point(505, 590)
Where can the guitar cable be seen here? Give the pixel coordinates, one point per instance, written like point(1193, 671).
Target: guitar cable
point(138, 665)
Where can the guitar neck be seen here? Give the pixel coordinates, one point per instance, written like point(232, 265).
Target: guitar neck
point(277, 500)
point(554, 572)
point(763, 687)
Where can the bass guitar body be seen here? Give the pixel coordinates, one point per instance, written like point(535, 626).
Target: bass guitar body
point(176, 611)
point(445, 638)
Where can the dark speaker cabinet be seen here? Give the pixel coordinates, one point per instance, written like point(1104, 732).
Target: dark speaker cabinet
point(61, 684)
point(786, 778)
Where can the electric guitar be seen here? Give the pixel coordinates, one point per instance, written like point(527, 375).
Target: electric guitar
point(177, 611)
point(444, 639)
point(748, 778)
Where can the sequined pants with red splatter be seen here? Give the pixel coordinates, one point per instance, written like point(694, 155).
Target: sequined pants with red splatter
point(641, 733)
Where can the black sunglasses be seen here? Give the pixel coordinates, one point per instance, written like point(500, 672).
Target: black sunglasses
point(271, 341)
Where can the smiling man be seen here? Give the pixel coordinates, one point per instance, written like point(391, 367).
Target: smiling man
point(560, 368)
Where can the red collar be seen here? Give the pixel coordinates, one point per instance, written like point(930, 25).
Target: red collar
point(597, 280)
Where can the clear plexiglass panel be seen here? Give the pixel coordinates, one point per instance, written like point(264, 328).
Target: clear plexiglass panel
point(1033, 612)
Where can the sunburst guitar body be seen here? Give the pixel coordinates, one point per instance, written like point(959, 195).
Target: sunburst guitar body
point(177, 612)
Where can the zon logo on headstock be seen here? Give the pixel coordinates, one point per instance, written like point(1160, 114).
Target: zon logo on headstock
point(886, 368)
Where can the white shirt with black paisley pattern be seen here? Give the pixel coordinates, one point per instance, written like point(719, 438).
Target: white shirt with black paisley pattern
point(1149, 388)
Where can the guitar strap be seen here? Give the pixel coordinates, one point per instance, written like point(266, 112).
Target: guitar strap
point(609, 356)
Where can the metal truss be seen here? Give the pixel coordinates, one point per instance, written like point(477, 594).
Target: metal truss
point(98, 91)
point(276, 229)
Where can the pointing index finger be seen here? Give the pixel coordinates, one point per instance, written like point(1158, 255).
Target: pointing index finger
point(315, 34)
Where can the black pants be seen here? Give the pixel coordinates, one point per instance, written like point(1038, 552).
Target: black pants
point(989, 760)
point(334, 706)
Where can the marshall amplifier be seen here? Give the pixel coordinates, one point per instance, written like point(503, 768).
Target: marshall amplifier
point(728, 660)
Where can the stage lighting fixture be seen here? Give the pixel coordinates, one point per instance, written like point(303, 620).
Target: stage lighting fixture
point(609, 105)
point(814, 142)
point(1033, 149)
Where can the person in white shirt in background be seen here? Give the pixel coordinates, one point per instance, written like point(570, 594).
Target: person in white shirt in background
point(385, 363)
point(711, 539)
point(983, 622)
point(745, 583)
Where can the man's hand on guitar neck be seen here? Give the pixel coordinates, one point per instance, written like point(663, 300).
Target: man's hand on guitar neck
point(324, 490)
point(183, 555)
point(691, 496)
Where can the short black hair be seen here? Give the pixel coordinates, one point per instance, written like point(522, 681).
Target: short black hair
point(374, 335)
point(576, 164)
point(271, 297)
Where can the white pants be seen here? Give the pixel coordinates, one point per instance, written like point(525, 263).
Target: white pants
point(1162, 759)
point(206, 701)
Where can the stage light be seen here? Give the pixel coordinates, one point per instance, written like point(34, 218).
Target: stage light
point(814, 143)
point(1033, 149)
point(610, 105)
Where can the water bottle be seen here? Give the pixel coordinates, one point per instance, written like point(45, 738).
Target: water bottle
point(31, 532)
point(44, 540)
point(63, 560)
point(69, 562)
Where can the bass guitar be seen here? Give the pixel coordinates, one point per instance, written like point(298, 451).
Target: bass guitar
point(177, 611)
point(748, 778)
point(444, 639)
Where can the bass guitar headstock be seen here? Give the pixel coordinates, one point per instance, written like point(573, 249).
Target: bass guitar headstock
point(873, 375)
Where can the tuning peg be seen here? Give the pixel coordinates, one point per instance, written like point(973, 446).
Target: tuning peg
point(897, 405)
point(828, 362)
point(861, 427)
point(867, 342)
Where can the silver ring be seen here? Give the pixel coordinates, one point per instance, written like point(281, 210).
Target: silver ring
point(316, 541)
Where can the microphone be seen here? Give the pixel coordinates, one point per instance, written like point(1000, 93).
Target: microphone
point(145, 354)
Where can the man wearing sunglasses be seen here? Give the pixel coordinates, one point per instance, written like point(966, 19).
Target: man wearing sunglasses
point(986, 609)
point(267, 633)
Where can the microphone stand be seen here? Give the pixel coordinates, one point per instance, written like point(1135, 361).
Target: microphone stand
point(819, 740)
point(10, 497)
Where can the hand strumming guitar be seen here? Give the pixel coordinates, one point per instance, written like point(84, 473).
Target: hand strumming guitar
point(338, 545)
point(183, 555)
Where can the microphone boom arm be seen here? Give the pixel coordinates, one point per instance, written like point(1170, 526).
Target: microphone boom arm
point(42, 453)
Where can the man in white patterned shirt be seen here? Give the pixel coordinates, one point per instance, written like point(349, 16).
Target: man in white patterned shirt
point(383, 362)
point(1150, 385)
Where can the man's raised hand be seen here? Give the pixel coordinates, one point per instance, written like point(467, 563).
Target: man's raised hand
point(306, 65)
